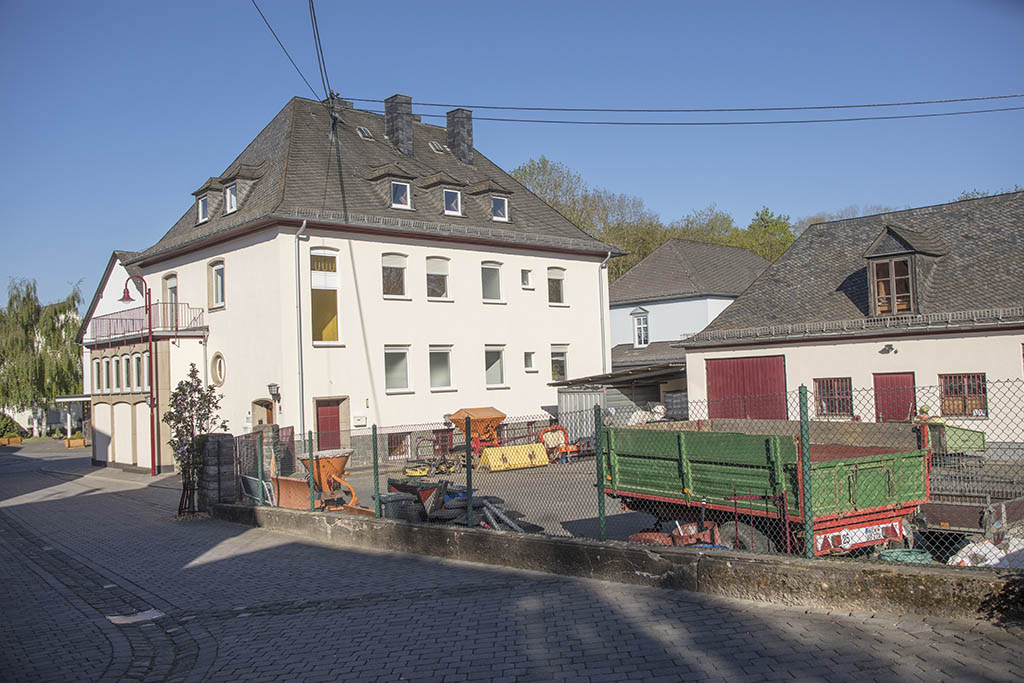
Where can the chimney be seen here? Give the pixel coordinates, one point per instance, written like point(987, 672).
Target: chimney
point(460, 134)
point(398, 122)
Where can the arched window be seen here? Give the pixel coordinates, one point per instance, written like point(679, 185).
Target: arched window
point(556, 285)
point(215, 283)
point(437, 278)
point(490, 277)
point(97, 377)
point(393, 274)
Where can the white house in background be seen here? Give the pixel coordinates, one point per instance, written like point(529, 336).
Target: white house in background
point(925, 307)
point(672, 294)
point(349, 269)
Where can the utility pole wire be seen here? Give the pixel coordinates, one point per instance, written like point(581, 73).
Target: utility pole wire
point(274, 33)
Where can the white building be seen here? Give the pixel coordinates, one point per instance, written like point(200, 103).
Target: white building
point(350, 269)
point(880, 316)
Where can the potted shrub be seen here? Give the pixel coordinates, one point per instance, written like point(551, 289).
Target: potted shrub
point(10, 430)
point(76, 440)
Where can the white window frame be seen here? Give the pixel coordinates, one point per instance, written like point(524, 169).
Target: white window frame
point(641, 321)
point(146, 370)
point(494, 216)
point(116, 371)
point(97, 376)
point(447, 351)
point(562, 349)
point(218, 377)
point(529, 361)
point(408, 195)
point(214, 267)
point(126, 364)
point(458, 201)
point(496, 266)
point(319, 279)
point(528, 284)
point(106, 376)
point(394, 258)
point(230, 198)
point(447, 277)
point(556, 273)
point(138, 371)
point(203, 209)
point(403, 349)
point(500, 349)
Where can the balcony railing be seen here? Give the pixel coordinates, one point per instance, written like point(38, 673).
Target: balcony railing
point(167, 317)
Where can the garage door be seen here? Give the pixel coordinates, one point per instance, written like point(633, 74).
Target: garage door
point(753, 388)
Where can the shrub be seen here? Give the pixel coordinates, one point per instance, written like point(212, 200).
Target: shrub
point(8, 427)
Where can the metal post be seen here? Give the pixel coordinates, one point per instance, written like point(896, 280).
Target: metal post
point(805, 465)
point(599, 456)
point(376, 474)
point(259, 469)
point(312, 468)
point(469, 474)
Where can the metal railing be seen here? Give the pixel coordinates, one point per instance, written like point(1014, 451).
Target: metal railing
point(135, 321)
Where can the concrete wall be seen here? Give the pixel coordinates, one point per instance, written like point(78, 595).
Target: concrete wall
point(667, 320)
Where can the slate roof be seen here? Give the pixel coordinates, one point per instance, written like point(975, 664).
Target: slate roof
point(624, 355)
point(682, 268)
point(294, 169)
point(970, 261)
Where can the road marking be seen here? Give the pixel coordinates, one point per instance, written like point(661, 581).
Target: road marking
point(147, 615)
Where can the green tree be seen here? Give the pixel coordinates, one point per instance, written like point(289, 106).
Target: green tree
point(768, 235)
point(39, 358)
point(192, 414)
point(978, 194)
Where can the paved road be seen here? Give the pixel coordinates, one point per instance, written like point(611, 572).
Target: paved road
point(216, 601)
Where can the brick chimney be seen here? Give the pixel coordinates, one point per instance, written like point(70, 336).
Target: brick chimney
point(398, 122)
point(460, 134)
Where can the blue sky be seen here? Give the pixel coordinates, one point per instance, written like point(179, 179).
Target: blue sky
point(114, 112)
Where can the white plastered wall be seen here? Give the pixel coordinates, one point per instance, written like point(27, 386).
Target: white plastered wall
point(670, 320)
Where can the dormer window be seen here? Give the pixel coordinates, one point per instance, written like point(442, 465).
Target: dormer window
point(452, 203)
point(891, 285)
point(641, 334)
point(401, 197)
point(499, 209)
point(203, 209)
point(230, 198)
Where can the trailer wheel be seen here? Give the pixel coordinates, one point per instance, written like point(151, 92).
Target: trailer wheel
point(740, 536)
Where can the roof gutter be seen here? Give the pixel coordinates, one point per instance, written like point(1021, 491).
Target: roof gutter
point(600, 291)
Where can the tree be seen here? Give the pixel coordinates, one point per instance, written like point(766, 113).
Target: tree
point(852, 211)
point(978, 194)
point(768, 235)
point(191, 416)
point(39, 358)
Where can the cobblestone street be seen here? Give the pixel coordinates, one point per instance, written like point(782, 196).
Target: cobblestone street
point(208, 600)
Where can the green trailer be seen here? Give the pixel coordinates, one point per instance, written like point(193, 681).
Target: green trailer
point(752, 486)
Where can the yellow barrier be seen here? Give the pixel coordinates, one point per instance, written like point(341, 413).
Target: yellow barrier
point(498, 458)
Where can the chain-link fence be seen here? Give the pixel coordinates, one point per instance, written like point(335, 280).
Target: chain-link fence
point(900, 473)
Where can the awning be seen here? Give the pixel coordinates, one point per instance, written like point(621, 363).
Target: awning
point(646, 372)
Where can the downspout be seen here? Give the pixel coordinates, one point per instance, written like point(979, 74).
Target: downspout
point(298, 334)
point(600, 292)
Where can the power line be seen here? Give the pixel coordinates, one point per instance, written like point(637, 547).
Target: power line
point(320, 54)
point(274, 33)
point(728, 123)
point(705, 111)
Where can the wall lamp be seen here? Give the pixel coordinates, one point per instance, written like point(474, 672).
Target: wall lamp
point(274, 391)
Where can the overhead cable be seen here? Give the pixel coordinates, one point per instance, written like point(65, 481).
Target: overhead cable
point(286, 54)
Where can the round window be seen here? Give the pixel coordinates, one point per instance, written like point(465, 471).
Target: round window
point(218, 371)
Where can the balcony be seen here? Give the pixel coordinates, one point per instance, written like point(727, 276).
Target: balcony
point(133, 322)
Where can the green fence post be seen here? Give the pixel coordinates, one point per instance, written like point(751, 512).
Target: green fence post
point(376, 473)
point(469, 475)
point(599, 456)
point(259, 469)
point(805, 465)
point(312, 468)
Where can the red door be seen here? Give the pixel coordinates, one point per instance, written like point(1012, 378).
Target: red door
point(753, 388)
point(328, 425)
point(894, 396)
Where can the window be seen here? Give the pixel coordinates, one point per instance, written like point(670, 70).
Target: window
point(97, 377)
point(126, 363)
point(526, 277)
point(891, 280)
point(490, 273)
point(640, 335)
point(396, 369)
point(230, 198)
point(528, 361)
point(138, 372)
point(216, 283)
point(494, 366)
point(117, 374)
point(146, 366)
point(437, 277)
point(323, 283)
point(499, 208)
point(171, 298)
point(440, 367)
point(556, 285)
point(393, 274)
point(398, 446)
point(964, 395)
point(558, 363)
point(106, 375)
point(203, 209)
point(218, 369)
point(401, 198)
point(452, 203)
point(833, 397)
point(364, 132)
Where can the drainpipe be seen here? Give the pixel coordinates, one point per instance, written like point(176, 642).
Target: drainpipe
point(298, 332)
point(600, 292)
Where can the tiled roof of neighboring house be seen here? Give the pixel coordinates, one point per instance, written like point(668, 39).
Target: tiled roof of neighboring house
point(297, 168)
point(969, 271)
point(624, 355)
point(682, 268)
